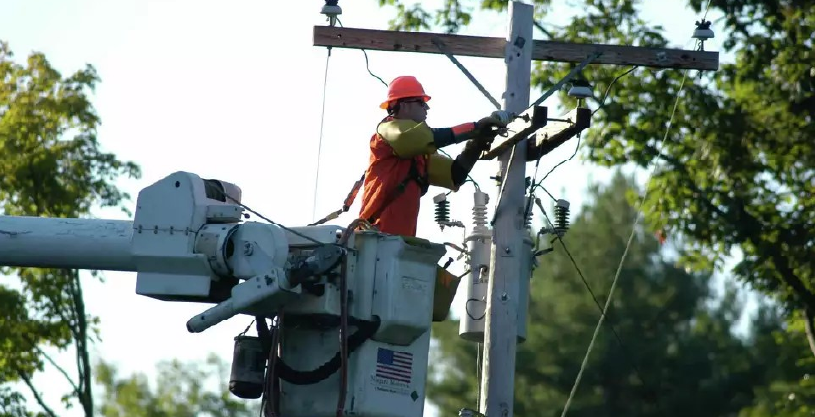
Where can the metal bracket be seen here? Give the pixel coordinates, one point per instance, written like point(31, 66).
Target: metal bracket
point(524, 125)
point(557, 133)
point(534, 117)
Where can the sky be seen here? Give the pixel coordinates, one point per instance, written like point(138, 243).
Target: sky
point(233, 91)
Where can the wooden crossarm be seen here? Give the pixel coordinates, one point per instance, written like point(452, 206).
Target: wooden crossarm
point(493, 47)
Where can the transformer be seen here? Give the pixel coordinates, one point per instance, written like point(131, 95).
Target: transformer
point(479, 241)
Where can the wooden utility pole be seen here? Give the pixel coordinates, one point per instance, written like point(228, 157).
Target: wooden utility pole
point(518, 50)
point(509, 227)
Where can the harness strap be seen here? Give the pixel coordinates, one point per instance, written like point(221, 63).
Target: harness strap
point(346, 204)
point(413, 175)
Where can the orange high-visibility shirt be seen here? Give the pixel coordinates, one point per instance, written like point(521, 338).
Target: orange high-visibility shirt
point(395, 145)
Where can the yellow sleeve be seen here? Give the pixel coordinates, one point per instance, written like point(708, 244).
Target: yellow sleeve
point(407, 138)
point(439, 171)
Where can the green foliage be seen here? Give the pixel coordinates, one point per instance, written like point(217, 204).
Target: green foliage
point(12, 404)
point(678, 355)
point(789, 394)
point(50, 165)
point(737, 166)
point(180, 390)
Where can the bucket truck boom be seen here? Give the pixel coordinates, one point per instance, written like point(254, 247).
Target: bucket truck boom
point(188, 243)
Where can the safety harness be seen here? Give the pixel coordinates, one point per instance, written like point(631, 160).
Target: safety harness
point(413, 175)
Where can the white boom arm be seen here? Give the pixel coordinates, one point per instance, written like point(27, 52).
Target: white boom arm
point(66, 243)
point(188, 243)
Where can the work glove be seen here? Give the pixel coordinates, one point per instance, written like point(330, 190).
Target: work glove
point(473, 150)
point(497, 119)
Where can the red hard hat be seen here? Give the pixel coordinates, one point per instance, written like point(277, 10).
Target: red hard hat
point(403, 87)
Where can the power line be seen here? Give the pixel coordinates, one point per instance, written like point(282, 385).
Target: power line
point(245, 207)
point(538, 184)
point(625, 254)
point(367, 64)
point(577, 147)
point(655, 162)
point(322, 122)
point(622, 345)
point(608, 89)
point(367, 67)
point(320, 143)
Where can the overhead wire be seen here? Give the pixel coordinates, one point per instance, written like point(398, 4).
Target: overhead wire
point(320, 142)
point(631, 363)
point(577, 147)
point(322, 124)
point(539, 100)
point(367, 63)
point(611, 84)
point(622, 261)
point(367, 67)
point(630, 239)
point(247, 208)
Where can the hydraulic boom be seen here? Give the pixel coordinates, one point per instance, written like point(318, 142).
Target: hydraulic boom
point(188, 243)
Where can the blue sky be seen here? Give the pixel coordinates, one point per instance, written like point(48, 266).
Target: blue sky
point(233, 90)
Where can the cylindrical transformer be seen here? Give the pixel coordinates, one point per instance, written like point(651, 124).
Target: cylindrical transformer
point(471, 325)
point(473, 320)
point(248, 367)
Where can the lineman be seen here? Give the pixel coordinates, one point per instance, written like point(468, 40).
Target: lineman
point(404, 160)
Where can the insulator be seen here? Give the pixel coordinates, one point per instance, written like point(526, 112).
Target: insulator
point(528, 212)
point(442, 209)
point(561, 217)
point(331, 10)
point(703, 31)
point(480, 201)
point(580, 89)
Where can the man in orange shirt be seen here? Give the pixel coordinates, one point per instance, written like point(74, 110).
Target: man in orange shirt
point(404, 160)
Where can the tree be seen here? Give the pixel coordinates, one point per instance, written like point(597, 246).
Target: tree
point(676, 354)
point(180, 390)
point(739, 159)
point(787, 394)
point(50, 165)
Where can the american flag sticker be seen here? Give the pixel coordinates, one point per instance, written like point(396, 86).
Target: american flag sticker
point(393, 365)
